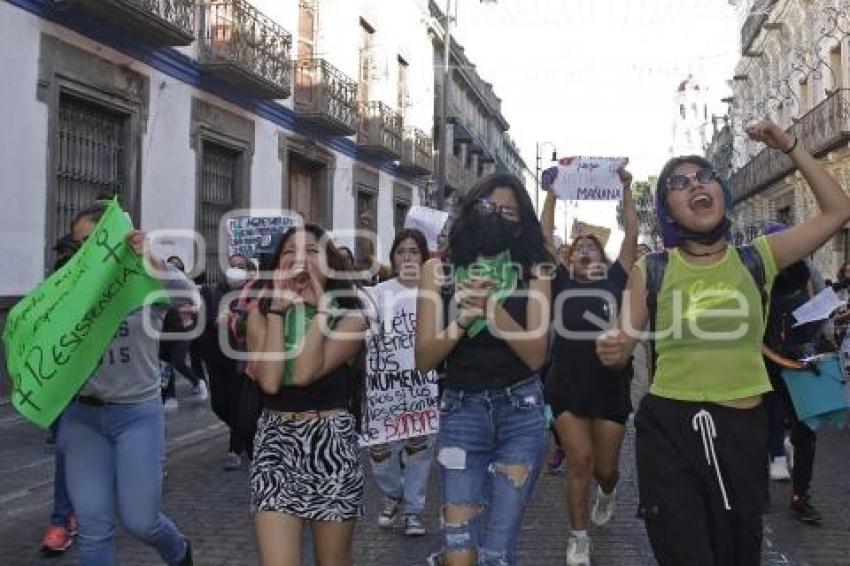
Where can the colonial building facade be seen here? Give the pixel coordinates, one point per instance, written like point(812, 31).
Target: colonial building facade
point(793, 69)
point(187, 109)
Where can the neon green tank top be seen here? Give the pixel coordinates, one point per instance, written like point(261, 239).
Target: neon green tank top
point(709, 329)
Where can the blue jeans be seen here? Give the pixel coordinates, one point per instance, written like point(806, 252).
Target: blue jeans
point(62, 508)
point(113, 458)
point(491, 449)
point(409, 483)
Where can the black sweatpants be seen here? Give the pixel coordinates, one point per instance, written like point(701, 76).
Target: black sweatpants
point(681, 499)
point(226, 394)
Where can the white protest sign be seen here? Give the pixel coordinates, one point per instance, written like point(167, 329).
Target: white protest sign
point(401, 401)
point(429, 221)
point(589, 178)
point(819, 307)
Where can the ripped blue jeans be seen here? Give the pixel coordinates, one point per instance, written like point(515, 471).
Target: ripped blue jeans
point(491, 447)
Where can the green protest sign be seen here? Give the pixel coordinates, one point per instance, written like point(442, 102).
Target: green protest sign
point(501, 271)
point(56, 336)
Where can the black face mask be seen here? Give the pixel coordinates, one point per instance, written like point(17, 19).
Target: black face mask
point(707, 238)
point(494, 233)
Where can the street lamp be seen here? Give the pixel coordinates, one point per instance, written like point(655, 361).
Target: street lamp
point(539, 167)
point(442, 156)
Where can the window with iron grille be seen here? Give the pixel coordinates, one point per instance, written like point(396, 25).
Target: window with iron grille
point(90, 159)
point(217, 193)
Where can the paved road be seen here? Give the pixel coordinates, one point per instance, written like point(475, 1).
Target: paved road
point(212, 507)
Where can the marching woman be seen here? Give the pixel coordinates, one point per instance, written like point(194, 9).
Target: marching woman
point(483, 316)
point(306, 467)
point(702, 430)
point(400, 467)
point(590, 402)
point(113, 434)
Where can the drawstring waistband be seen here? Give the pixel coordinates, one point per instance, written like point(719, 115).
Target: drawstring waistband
point(704, 424)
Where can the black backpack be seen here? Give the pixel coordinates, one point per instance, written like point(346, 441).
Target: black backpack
point(790, 292)
point(656, 266)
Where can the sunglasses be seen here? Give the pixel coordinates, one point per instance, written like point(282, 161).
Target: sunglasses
point(682, 182)
point(487, 206)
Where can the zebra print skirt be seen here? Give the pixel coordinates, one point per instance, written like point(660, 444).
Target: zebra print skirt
point(309, 469)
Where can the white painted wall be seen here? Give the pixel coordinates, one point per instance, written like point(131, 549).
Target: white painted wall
point(168, 163)
point(345, 202)
point(168, 176)
point(266, 172)
point(23, 153)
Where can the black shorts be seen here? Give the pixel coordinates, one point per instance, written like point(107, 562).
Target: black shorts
point(605, 397)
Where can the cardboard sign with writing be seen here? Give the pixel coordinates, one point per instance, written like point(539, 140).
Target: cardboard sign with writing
point(583, 229)
point(56, 336)
point(251, 235)
point(400, 402)
point(429, 221)
point(589, 178)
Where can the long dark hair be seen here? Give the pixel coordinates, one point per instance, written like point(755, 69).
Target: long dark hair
point(335, 262)
point(527, 248)
point(409, 234)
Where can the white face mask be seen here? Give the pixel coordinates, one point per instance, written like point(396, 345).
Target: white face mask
point(235, 277)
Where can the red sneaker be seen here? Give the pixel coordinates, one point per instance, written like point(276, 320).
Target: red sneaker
point(56, 540)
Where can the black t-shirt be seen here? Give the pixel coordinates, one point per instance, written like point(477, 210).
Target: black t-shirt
point(574, 357)
point(485, 361)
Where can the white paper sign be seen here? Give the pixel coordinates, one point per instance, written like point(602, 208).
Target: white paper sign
point(589, 178)
point(820, 307)
point(429, 221)
point(400, 401)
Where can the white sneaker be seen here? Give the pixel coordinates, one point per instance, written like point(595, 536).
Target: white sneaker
point(201, 391)
point(779, 469)
point(578, 551)
point(789, 453)
point(389, 512)
point(171, 404)
point(603, 507)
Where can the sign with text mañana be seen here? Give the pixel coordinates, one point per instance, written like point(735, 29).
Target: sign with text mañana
point(400, 401)
point(56, 336)
point(589, 178)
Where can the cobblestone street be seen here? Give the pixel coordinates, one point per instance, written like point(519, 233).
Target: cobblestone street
point(212, 507)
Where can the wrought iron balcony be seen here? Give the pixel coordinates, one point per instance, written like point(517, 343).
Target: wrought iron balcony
point(458, 176)
point(325, 96)
point(380, 131)
point(246, 48)
point(417, 155)
point(753, 24)
point(823, 128)
point(158, 22)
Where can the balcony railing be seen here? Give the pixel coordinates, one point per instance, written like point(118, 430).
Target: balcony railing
point(824, 127)
point(158, 22)
point(245, 48)
point(417, 155)
point(458, 176)
point(380, 131)
point(325, 96)
point(753, 24)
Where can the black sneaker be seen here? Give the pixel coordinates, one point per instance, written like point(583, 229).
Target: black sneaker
point(804, 511)
point(187, 558)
